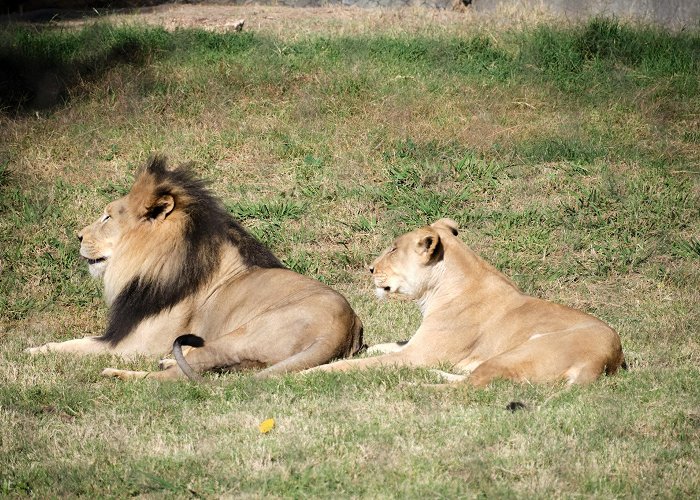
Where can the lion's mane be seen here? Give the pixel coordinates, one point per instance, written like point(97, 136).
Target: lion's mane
point(192, 251)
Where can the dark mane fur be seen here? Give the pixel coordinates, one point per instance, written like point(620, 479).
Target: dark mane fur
point(209, 226)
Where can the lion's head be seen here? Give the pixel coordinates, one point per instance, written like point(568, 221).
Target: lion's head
point(408, 266)
point(161, 243)
point(98, 240)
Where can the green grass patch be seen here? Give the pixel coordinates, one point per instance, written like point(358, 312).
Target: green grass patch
point(568, 155)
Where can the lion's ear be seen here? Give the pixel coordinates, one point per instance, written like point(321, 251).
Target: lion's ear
point(429, 245)
point(160, 207)
point(448, 224)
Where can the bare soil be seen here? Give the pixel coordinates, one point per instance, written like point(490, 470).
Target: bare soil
point(291, 22)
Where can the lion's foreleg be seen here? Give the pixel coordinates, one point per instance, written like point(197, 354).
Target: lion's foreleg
point(86, 345)
point(173, 373)
point(392, 359)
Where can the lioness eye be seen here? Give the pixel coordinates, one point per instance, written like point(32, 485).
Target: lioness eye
point(105, 217)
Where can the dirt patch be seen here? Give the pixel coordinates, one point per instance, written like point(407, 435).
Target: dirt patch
point(291, 22)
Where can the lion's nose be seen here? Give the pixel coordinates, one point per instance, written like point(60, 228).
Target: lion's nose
point(80, 237)
point(371, 269)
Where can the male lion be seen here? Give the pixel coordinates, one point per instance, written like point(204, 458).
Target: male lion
point(476, 319)
point(174, 261)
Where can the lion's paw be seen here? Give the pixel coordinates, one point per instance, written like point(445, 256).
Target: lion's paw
point(42, 349)
point(166, 363)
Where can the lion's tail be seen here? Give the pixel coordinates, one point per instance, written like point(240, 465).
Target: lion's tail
point(192, 341)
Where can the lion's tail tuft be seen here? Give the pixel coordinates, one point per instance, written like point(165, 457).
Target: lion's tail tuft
point(192, 341)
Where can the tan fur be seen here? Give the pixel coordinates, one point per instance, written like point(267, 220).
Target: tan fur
point(249, 316)
point(478, 320)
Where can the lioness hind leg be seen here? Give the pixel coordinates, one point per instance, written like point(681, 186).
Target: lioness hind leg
point(576, 357)
point(523, 371)
point(584, 373)
point(491, 370)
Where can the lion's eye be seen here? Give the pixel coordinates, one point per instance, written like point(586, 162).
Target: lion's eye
point(105, 217)
point(393, 249)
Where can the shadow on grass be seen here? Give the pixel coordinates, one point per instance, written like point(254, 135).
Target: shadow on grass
point(40, 66)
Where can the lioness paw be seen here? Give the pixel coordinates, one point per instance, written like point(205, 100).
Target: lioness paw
point(124, 374)
point(449, 377)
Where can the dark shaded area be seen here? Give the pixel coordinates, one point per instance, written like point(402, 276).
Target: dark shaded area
point(30, 7)
point(40, 65)
point(35, 83)
point(514, 406)
point(38, 70)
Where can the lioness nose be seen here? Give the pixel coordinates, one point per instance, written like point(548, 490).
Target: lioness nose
point(80, 237)
point(371, 269)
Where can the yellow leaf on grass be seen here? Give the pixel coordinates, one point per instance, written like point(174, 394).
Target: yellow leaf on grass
point(266, 425)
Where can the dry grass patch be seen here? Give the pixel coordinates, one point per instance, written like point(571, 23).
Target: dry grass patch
point(290, 24)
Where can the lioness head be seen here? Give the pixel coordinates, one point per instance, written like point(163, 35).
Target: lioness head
point(407, 267)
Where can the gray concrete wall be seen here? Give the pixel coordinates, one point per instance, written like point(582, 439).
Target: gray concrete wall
point(438, 4)
point(666, 12)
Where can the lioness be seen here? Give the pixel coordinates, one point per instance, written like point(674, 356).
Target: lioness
point(174, 261)
point(478, 320)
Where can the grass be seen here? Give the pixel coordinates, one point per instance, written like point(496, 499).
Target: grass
point(569, 156)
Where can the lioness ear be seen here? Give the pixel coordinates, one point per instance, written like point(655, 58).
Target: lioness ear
point(448, 224)
point(160, 208)
point(429, 245)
